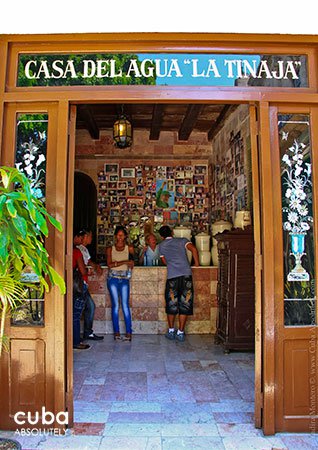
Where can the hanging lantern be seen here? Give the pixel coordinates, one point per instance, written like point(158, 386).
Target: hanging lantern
point(122, 132)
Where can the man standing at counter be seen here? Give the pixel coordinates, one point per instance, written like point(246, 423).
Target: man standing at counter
point(179, 284)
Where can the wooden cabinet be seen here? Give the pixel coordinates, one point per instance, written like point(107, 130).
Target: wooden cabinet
point(236, 293)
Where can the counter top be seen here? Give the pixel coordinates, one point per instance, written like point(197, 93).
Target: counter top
point(147, 300)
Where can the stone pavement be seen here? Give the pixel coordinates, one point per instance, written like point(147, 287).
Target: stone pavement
point(155, 394)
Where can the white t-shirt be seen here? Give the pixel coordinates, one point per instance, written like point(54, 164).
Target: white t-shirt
point(85, 253)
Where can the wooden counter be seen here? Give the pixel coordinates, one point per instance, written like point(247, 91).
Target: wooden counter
point(148, 305)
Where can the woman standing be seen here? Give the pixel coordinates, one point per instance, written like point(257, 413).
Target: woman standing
point(118, 281)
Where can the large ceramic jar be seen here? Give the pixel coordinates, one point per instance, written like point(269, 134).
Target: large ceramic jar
point(204, 258)
point(218, 227)
point(202, 242)
point(242, 219)
point(183, 232)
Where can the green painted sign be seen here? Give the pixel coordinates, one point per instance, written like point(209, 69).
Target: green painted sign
point(162, 69)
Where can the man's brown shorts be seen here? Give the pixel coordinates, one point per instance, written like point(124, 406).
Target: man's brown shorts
point(179, 295)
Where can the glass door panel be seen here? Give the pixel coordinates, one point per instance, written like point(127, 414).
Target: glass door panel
point(30, 159)
point(297, 217)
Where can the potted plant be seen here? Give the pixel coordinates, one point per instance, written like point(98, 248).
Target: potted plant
point(23, 229)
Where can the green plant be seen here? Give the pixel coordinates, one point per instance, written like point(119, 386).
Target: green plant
point(23, 229)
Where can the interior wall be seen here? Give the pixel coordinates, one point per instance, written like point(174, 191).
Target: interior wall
point(232, 170)
point(129, 200)
point(168, 145)
point(228, 157)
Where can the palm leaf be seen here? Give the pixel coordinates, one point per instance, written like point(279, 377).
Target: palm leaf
point(12, 292)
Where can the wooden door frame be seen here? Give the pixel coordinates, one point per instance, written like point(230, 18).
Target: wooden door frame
point(52, 342)
point(69, 263)
point(267, 262)
point(258, 388)
point(294, 333)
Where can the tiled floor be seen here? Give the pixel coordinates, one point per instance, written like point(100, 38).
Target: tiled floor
point(154, 394)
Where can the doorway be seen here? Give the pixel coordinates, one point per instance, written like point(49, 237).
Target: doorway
point(233, 160)
point(85, 207)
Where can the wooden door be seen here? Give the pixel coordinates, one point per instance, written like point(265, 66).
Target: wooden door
point(254, 129)
point(69, 259)
point(33, 371)
point(294, 139)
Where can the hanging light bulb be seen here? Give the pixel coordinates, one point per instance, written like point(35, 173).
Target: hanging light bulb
point(122, 131)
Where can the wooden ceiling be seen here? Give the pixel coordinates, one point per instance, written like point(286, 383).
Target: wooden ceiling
point(156, 117)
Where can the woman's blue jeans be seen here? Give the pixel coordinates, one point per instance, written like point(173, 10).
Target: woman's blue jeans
point(119, 289)
point(89, 311)
point(78, 306)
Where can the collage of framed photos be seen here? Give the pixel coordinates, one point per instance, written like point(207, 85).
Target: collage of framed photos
point(177, 194)
point(230, 177)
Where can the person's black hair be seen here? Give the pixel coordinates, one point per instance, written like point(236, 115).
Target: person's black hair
point(165, 231)
point(120, 228)
point(80, 232)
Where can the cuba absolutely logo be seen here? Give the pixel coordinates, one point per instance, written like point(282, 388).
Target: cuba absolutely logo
point(41, 418)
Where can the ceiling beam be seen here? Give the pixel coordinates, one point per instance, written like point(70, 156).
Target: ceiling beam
point(189, 121)
point(157, 116)
point(217, 125)
point(90, 123)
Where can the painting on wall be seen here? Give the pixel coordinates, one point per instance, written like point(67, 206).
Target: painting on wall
point(164, 197)
point(111, 168)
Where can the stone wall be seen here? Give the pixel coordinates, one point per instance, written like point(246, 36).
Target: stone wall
point(167, 146)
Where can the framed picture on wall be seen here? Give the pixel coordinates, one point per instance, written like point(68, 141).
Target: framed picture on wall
point(180, 174)
point(170, 185)
point(161, 172)
point(201, 169)
point(180, 191)
point(101, 240)
point(185, 217)
point(198, 179)
point(188, 174)
point(128, 172)
point(136, 202)
point(102, 176)
point(111, 168)
point(164, 198)
point(189, 191)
